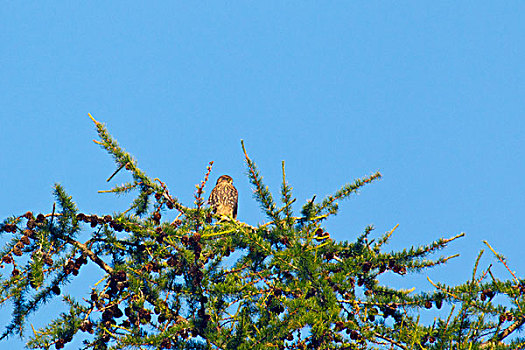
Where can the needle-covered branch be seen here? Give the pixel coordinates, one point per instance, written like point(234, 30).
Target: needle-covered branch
point(261, 192)
point(123, 159)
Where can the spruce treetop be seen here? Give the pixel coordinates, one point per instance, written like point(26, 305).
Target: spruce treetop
point(176, 276)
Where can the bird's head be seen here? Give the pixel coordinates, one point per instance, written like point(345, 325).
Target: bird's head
point(225, 178)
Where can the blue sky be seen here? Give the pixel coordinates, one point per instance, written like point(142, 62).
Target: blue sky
point(429, 93)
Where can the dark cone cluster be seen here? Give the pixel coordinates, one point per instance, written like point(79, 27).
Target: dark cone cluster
point(87, 326)
point(94, 221)
point(73, 267)
point(118, 282)
point(55, 289)
point(487, 293)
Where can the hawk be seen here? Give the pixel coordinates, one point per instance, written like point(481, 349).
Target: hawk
point(223, 197)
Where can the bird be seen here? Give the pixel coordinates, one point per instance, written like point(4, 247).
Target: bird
point(223, 197)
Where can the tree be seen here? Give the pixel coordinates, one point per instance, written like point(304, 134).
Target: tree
point(288, 285)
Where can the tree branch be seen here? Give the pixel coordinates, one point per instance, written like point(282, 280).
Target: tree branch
point(506, 332)
point(95, 258)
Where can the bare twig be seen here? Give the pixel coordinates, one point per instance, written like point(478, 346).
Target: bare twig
point(391, 341)
point(502, 261)
point(116, 171)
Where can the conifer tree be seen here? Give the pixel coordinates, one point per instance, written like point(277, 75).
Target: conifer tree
point(174, 284)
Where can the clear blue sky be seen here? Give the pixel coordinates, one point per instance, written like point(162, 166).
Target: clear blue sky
point(429, 93)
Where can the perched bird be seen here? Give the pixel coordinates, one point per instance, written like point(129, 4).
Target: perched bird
point(223, 197)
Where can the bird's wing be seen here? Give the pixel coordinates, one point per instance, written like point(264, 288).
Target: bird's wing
point(234, 196)
point(213, 196)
